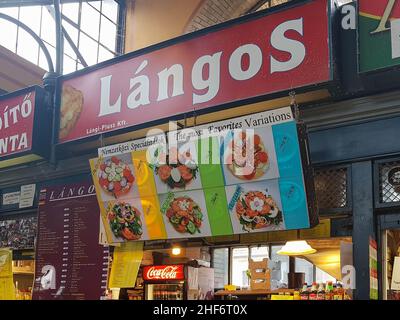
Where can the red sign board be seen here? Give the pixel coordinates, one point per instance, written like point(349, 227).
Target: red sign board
point(16, 123)
point(164, 272)
point(253, 57)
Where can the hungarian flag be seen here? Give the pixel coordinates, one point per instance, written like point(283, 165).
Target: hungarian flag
point(375, 45)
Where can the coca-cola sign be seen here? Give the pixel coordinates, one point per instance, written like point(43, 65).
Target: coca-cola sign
point(260, 55)
point(165, 272)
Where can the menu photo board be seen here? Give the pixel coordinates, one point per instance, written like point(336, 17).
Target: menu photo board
point(217, 181)
point(22, 139)
point(70, 264)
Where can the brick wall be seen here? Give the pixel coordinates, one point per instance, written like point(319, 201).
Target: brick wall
point(212, 12)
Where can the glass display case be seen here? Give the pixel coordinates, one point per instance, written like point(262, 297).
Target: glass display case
point(165, 291)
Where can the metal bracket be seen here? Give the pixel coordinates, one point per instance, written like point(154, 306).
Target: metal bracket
point(294, 106)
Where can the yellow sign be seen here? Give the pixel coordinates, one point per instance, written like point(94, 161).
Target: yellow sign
point(7, 290)
point(125, 265)
point(148, 194)
point(281, 297)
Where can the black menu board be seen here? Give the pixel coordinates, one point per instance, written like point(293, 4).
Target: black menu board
point(70, 262)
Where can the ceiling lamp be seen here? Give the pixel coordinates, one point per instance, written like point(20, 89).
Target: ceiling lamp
point(296, 248)
point(176, 251)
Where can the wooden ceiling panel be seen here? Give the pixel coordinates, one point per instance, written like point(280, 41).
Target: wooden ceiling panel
point(16, 72)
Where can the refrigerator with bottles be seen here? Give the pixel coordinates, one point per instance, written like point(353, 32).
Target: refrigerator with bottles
point(177, 282)
point(165, 282)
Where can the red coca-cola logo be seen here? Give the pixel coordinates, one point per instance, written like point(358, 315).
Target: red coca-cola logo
point(172, 272)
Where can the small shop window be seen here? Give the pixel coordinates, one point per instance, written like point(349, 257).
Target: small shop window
point(259, 253)
point(240, 264)
point(303, 266)
point(332, 187)
point(279, 277)
point(388, 176)
point(220, 260)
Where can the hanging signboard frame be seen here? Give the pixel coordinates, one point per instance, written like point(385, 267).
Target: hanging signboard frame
point(132, 91)
point(25, 127)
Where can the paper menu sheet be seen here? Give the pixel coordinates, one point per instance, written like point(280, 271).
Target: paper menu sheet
point(11, 198)
point(27, 196)
point(125, 265)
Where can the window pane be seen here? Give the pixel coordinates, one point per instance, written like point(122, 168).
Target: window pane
point(88, 49)
point(68, 51)
point(280, 268)
point(95, 4)
point(108, 34)
point(104, 54)
point(71, 11)
point(305, 267)
point(90, 21)
point(322, 276)
point(110, 10)
point(31, 17)
point(220, 265)
point(27, 47)
point(8, 38)
point(240, 264)
point(42, 59)
point(73, 34)
point(259, 253)
point(94, 15)
point(48, 28)
point(13, 12)
point(69, 65)
point(72, 31)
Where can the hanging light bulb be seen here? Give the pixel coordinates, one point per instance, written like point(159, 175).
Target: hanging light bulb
point(176, 251)
point(296, 248)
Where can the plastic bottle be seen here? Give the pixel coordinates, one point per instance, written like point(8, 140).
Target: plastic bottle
point(339, 295)
point(313, 292)
point(321, 292)
point(329, 291)
point(304, 294)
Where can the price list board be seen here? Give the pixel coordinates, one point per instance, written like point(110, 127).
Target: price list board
point(70, 262)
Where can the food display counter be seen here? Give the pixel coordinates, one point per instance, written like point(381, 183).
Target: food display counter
point(251, 294)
